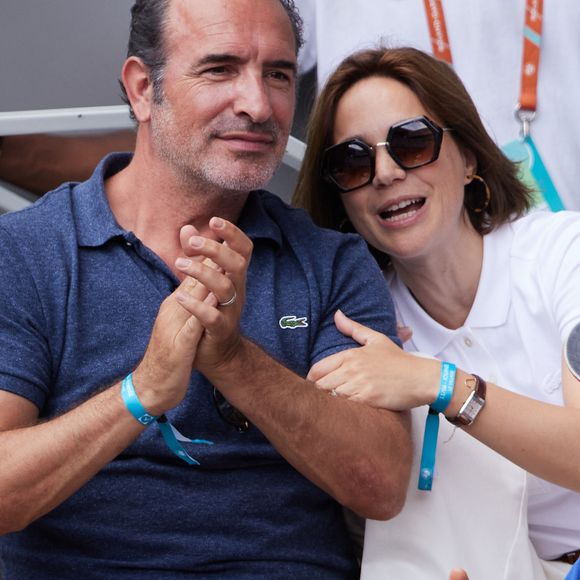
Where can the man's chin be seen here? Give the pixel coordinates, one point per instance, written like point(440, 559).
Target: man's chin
point(245, 177)
point(243, 184)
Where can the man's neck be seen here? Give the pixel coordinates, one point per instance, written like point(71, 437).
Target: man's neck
point(147, 199)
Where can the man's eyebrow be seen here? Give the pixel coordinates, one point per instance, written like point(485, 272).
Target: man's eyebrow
point(219, 58)
point(226, 58)
point(283, 64)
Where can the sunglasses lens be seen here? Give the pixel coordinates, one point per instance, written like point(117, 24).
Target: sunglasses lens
point(229, 413)
point(349, 165)
point(413, 144)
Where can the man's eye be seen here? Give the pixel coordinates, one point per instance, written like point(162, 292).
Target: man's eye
point(279, 76)
point(216, 70)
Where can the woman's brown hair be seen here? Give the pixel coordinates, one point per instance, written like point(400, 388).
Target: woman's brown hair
point(443, 95)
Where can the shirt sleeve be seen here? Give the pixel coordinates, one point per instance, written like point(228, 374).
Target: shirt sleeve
point(558, 267)
point(24, 350)
point(359, 290)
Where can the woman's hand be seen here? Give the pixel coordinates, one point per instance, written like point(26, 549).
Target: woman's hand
point(378, 373)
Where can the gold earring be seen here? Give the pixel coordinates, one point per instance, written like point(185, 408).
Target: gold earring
point(487, 192)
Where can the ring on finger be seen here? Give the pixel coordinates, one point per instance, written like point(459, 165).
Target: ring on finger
point(334, 393)
point(231, 301)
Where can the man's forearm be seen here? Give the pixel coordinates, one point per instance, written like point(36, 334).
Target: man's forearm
point(359, 455)
point(44, 464)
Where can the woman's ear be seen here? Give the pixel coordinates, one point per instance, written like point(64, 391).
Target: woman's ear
point(470, 165)
point(139, 88)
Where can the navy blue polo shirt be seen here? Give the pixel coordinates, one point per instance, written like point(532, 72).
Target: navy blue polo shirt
point(78, 299)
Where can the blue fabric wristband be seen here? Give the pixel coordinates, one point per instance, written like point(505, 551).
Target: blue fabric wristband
point(428, 454)
point(133, 403)
point(172, 438)
point(427, 469)
point(171, 435)
point(446, 387)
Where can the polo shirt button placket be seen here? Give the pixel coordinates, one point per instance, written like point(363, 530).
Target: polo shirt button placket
point(468, 342)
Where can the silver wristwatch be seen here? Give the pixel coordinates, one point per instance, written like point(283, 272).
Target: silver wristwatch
point(473, 404)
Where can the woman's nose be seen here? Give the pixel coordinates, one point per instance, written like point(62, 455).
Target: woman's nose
point(386, 169)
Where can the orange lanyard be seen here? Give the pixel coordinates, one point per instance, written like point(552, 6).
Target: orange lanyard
point(531, 59)
point(438, 30)
point(526, 107)
point(528, 101)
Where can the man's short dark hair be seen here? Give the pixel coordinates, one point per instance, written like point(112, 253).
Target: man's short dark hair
point(148, 20)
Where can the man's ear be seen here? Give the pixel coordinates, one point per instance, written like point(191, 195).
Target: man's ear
point(137, 83)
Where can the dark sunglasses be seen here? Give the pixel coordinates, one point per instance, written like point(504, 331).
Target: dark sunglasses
point(411, 143)
point(229, 413)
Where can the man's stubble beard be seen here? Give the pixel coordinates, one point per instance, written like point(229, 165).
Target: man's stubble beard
point(194, 167)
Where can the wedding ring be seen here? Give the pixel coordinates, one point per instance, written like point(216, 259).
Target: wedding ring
point(334, 393)
point(230, 301)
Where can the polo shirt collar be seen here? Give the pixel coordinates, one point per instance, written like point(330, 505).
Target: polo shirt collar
point(490, 308)
point(255, 221)
point(95, 221)
point(96, 224)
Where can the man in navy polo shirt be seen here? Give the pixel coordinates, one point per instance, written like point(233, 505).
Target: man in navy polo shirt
point(168, 287)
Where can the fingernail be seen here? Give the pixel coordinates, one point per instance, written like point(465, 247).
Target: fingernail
point(196, 241)
point(217, 222)
point(182, 263)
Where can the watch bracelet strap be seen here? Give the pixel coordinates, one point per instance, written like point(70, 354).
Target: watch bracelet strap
point(477, 396)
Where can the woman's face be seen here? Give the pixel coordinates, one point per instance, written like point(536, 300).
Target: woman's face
point(409, 214)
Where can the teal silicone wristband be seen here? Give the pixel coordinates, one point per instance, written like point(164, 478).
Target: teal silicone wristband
point(133, 403)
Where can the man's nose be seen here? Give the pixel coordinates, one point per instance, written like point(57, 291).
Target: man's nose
point(253, 98)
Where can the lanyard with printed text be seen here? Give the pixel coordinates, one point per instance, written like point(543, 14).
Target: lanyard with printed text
point(531, 55)
point(532, 169)
point(533, 172)
point(438, 30)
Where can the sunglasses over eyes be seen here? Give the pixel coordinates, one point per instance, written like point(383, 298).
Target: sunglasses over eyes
point(411, 143)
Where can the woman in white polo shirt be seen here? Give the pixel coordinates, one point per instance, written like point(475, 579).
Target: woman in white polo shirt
point(397, 152)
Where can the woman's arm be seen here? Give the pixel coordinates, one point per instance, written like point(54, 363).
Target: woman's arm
point(539, 437)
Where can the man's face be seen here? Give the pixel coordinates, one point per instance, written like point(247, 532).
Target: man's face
point(228, 92)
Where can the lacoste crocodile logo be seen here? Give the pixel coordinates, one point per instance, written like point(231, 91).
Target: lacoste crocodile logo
point(293, 322)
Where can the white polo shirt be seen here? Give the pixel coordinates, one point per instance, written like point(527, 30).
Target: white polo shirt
point(527, 302)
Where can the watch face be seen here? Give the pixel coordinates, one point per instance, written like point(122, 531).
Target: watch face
point(572, 351)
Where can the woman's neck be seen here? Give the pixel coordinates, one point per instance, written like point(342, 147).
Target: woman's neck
point(445, 282)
